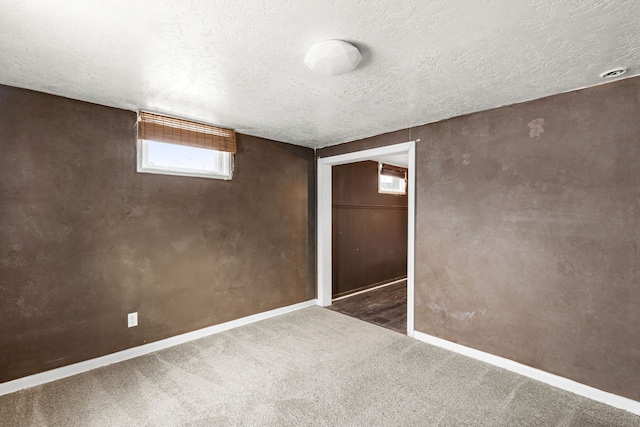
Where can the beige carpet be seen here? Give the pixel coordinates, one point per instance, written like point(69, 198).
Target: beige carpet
point(312, 367)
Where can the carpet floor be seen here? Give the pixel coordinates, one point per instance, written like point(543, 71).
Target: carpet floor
point(311, 367)
point(386, 307)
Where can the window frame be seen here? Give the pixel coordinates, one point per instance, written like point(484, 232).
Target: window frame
point(143, 166)
point(392, 192)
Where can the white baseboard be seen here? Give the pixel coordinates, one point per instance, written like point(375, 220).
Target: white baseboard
point(130, 353)
point(593, 393)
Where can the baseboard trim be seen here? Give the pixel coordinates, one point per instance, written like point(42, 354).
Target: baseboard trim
point(369, 288)
point(593, 393)
point(130, 353)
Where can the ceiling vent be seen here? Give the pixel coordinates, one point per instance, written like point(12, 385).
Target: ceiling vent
point(615, 72)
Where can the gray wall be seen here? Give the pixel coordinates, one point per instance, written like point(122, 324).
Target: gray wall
point(531, 250)
point(84, 239)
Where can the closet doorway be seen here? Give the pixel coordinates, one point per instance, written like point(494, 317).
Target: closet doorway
point(366, 235)
point(369, 240)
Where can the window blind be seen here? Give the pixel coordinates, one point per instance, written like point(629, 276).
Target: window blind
point(155, 127)
point(394, 171)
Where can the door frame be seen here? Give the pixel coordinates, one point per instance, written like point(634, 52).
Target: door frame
point(324, 165)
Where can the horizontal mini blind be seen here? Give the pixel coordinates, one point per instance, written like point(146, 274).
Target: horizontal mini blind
point(155, 127)
point(394, 171)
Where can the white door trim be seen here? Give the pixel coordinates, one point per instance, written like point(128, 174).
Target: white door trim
point(324, 219)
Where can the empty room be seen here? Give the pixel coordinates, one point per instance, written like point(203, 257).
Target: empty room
point(178, 233)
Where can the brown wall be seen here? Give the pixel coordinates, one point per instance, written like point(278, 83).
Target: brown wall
point(369, 229)
point(531, 250)
point(84, 239)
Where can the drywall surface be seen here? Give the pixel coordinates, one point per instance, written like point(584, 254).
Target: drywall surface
point(86, 240)
point(369, 229)
point(528, 233)
point(389, 138)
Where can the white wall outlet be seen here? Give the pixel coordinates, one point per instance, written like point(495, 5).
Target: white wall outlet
point(132, 319)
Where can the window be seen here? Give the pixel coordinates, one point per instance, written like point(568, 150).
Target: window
point(392, 179)
point(173, 159)
point(173, 146)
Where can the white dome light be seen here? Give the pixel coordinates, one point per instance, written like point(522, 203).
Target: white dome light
point(332, 57)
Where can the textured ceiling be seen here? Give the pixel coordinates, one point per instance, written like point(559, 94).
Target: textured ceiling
point(239, 64)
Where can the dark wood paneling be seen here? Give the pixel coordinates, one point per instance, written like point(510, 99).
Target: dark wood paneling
point(369, 230)
point(356, 184)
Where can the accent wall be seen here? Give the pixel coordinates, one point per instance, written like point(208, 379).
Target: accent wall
point(85, 239)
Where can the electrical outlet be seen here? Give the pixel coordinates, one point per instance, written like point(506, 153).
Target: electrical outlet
point(132, 319)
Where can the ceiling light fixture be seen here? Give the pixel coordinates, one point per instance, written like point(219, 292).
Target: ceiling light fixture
point(332, 57)
point(615, 72)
